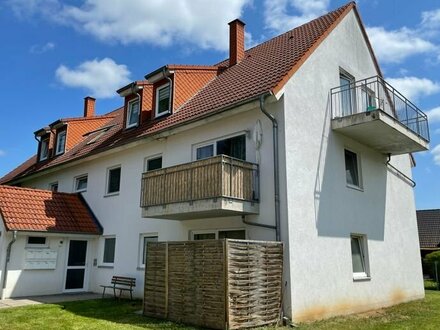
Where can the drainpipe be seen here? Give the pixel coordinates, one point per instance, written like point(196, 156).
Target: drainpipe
point(276, 174)
point(388, 163)
point(8, 257)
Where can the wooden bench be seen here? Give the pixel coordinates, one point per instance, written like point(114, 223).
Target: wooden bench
point(120, 283)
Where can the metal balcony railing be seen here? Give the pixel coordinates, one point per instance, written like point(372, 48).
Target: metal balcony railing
point(375, 93)
point(215, 177)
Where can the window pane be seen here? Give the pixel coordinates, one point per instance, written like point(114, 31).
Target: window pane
point(154, 164)
point(133, 113)
point(54, 187)
point(233, 147)
point(234, 234)
point(163, 103)
point(37, 240)
point(109, 250)
point(356, 255)
point(114, 180)
point(205, 152)
point(198, 237)
point(346, 96)
point(145, 248)
point(351, 168)
point(81, 183)
point(61, 141)
point(44, 149)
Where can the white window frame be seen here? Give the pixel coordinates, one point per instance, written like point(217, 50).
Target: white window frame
point(158, 89)
point(57, 145)
point(146, 159)
point(214, 141)
point(142, 236)
point(102, 250)
point(75, 182)
point(42, 246)
point(46, 143)
point(214, 231)
point(129, 110)
point(52, 184)
point(359, 170)
point(363, 245)
point(107, 181)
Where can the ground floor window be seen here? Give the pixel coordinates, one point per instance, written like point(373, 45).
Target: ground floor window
point(359, 256)
point(143, 247)
point(197, 235)
point(108, 257)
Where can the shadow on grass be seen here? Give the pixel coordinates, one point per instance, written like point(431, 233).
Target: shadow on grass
point(120, 312)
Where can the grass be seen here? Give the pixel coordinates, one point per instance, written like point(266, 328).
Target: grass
point(109, 314)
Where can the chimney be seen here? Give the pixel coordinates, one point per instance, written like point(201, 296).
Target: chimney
point(236, 41)
point(89, 106)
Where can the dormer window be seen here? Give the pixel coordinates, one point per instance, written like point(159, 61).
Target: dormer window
point(61, 143)
point(163, 100)
point(44, 149)
point(133, 114)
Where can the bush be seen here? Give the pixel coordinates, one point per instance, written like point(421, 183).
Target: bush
point(428, 264)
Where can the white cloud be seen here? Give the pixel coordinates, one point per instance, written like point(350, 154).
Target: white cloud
point(197, 22)
point(2, 153)
point(413, 87)
point(431, 19)
point(436, 154)
point(101, 77)
point(434, 115)
point(397, 45)
point(278, 19)
point(40, 49)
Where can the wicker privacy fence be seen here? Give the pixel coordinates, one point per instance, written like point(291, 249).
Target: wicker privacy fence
point(219, 284)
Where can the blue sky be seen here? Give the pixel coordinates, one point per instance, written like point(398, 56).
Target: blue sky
point(56, 52)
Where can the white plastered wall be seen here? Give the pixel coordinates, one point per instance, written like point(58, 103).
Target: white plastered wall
point(120, 215)
point(323, 211)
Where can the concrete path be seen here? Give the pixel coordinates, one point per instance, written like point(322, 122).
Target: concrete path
point(52, 299)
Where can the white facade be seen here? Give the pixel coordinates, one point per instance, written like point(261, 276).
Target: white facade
point(318, 211)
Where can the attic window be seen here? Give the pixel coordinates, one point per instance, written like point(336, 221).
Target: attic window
point(44, 149)
point(163, 100)
point(61, 143)
point(132, 114)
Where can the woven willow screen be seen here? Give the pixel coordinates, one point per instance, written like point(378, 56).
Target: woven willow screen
point(219, 284)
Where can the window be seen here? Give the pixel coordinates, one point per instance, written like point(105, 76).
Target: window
point(132, 114)
point(359, 256)
point(109, 250)
point(143, 250)
point(53, 186)
point(218, 234)
point(233, 147)
point(61, 143)
point(113, 180)
point(352, 169)
point(347, 93)
point(153, 163)
point(163, 100)
point(36, 241)
point(44, 149)
point(81, 183)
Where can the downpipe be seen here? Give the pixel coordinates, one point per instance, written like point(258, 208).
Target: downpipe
point(411, 181)
point(8, 258)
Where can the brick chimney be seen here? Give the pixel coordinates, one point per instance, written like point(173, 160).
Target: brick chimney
point(236, 41)
point(89, 106)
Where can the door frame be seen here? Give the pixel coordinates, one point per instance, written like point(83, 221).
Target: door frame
point(86, 266)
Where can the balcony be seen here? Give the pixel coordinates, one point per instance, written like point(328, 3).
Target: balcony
point(213, 187)
point(373, 113)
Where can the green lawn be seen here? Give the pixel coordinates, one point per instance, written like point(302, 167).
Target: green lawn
point(109, 314)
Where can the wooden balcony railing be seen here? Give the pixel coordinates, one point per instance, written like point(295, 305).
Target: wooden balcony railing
point(216, 177)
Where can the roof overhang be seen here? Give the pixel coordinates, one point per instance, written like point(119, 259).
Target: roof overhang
point(159, 74)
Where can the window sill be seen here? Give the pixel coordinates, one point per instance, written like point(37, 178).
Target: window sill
point(132, 126)
point(106, 266)
point(361, 279)
point(111, 195)
point(80, 191)
point(159, 115)
point(350, 186)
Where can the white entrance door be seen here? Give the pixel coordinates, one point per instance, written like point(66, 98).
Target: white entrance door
point(76, 269)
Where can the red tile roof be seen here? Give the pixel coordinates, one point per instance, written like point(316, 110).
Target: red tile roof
point(264, 69)
point(428, 223)
point(24, 209)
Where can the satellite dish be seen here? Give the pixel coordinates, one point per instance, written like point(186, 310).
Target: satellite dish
point(258, 134)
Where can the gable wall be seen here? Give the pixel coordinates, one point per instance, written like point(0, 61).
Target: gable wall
point(323, 212)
